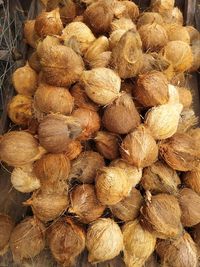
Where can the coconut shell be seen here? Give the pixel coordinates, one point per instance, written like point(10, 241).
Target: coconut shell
point(66, 241)
point(161, 215)
point(126, 57)
point(149, 18)
point(61, 66)
point(85, 204)
point(153, 36)
point(48, 23)
point(180, 152)
point(102, 85)
point(121, 116)
point(139, 148)
point(25, 80)
point(34, 62)
point(138, 244)
point(99, 16)
point(112, 185)
point(56, 132)
point(31, 38)
point(20, 109)
point(48, 206)
point(177, 32)
point(160, 178)
point(162, 121)
point(104, 240)
point(179, 252)
point(89, 121)
point(179, 54)
point(151, 89)
point(53, 99)
point(107, 144)
point(83, 171)
point(18, 148)
point(128, 209)
point(6, 226)
point(190, 206)
point(27, 239)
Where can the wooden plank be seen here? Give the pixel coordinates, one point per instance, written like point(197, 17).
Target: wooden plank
point(190, 6)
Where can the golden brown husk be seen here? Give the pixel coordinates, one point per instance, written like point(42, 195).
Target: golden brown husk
point(85, 204)
point(104, 240)
point(149, 18)
point(192, 180)
point(160, 178)
point(112, 185)
point(66, 240)
point(196, 237)
point(122, 24)
point(48, 23)
point(18, 148)
point(180, 152)
point(56, 131)
point(193, 33)
point(83, 171)
point(187, 121)
point(138, 244)
point(30, 35)
point(126, 57)
point(185, 96)
point(52, 99)
point(161, 215)
point(25, 80)
point(173, 16)
point(48, 206)
point(153, 36)
point(126, 9)
point(114, 38)
point(6, 227)
point(121, 116)
point(102, 60)
point(190, 207)
point(89, 121)
point(179, 252)
point(177, 32)
point(128, 209)
point(162, 6)
point(73, 150)
point(107, 144)
point(27, 239)
point(61, 66)
point(68, 12)
point(196, 56)
point(151, 89)
point(20, 109)
point(139, 148)
point(34, 62)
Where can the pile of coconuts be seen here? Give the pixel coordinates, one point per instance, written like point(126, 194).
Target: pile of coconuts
point(107, 142)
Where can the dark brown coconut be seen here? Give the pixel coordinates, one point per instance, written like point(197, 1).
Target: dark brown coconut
point(85, 167)
point(27, 239)
point(66, 241)
point(34, 62)
point(190, 206)
point(6, 227)
point(161, 215)
point(126, 58)
point(180, 152)
point(68, 11)
point(151, 89)
point(31, 38)
point(57, 131)
point(85, 204)
point(121, 116)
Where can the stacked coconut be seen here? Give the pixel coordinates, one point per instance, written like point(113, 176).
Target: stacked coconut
point(107, 142)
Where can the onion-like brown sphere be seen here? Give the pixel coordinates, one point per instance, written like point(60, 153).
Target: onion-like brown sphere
point(27, 239)
point(6, 227)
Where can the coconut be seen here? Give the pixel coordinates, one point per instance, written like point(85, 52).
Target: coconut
point(126, 9)
point(161, 215)
point(6, 226)
point(122, 24)
point(173, 16)
point(114, 38)
point(68, 11)
point(56, 131)
point(190, 204)
point(107, 144)
point(73, 150)
point(162, 6)
point(104, 240)
point(192, 180)
point(196, 56)
point(27, 239)
point(187, 121)
point(102, 60)
point(34, 62)
point(128, 209)
point(180, 152)
point(193, 33)
point(121, 116)
point(185, 96)
point(138, 244)
point(151, 89)
point(126, 57)
point(139, 148)
point(179, 54)
point(83, 171)
point(153, 36)
point(177, 32)
point(179, 252)
point(66, 241)
point(149, 18)
point(85, 204)
point(112, 185)
point(196, 237)
point(31, 38)
point(46, 44)
point(160, 178)
point(178, 80)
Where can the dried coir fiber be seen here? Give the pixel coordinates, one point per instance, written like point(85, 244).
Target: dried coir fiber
point(6, 227)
